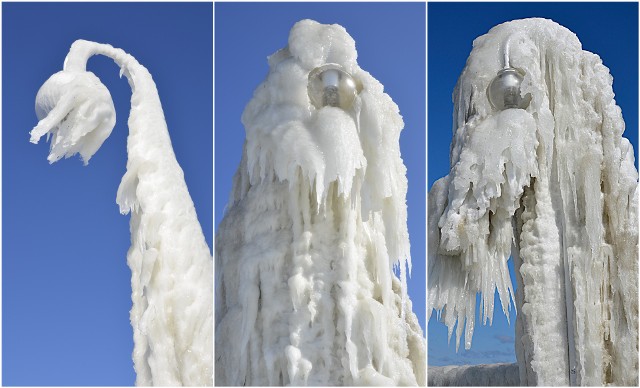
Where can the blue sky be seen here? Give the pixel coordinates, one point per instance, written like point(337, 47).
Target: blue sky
point(65, 284)
point(609, 30)
point(390, 41)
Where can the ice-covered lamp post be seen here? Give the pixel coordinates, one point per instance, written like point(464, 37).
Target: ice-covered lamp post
point(553, 185)
point(305, 288)
point(171, 264)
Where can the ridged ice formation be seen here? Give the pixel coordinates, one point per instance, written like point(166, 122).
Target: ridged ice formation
point(305, 291)
point(554, 186)
point(172, 286)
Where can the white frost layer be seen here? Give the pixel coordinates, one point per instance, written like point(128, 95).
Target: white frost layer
point(305, 291)
point(557, 182)
point(486, 375)
point(172, 287)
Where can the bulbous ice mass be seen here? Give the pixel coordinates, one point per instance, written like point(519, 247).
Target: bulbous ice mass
point(171, 264)
point(76, 108)
point(555, 187)
point(305, 291)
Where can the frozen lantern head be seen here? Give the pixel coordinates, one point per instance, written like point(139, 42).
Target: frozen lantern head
point(504, 90)
point(76, 109)
point(330, 85)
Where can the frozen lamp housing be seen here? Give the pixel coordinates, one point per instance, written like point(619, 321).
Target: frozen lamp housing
point(331, 85)
point(504, 90)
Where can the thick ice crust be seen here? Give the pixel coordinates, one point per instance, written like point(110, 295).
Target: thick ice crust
point(305, 292)
point(557, 182)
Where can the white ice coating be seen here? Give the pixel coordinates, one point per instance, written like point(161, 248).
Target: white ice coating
point(171, 264)
point(305, 288)
point(555, 187)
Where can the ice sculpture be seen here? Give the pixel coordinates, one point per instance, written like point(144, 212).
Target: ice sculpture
point(305, 288)
point(554, 186)
point(171, 264)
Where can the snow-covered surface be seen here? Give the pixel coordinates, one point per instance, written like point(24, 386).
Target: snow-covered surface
point(555, 187)
point(488, 375)
point(305, 291)
point(171, 264)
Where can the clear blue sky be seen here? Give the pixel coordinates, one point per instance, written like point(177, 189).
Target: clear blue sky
point(609, 30)
point(66, 289)
point(390, 39)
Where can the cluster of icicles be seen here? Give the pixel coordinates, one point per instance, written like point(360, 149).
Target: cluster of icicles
point(305, 288)
point(553, 186)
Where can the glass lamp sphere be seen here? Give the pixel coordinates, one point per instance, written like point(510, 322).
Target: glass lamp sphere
point(504, 90)
point(330, 85)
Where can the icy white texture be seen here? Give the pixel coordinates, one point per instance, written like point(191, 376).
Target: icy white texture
point(490, 375)
point(305, 291)
point(557, 183)
point(172, 286)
